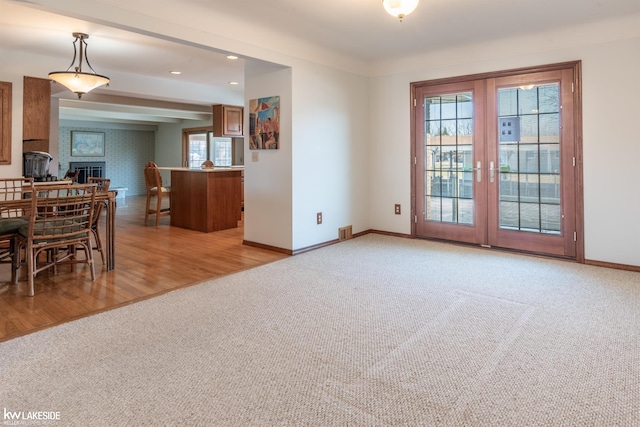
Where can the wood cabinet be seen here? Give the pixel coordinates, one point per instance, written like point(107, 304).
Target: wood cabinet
point(227, 120)
point(206, 200)
point(36, 104)
point(5, 123)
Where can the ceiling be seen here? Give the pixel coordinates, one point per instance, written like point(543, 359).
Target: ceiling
point(358, 29)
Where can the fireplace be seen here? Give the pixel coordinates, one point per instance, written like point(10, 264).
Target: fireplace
point(88, 169)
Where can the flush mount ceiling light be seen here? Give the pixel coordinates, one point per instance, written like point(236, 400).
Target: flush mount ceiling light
point(74, 78)
point(400, 8)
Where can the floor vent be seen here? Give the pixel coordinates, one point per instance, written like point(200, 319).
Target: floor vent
point(344, 233)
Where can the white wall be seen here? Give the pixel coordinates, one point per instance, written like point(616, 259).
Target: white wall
point(611, 126)
point(268, 173)
point(321, 165)
point(330, 153)
point(611, 145)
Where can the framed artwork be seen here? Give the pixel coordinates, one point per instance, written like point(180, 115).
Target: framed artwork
point(87, 144)
point(264, 123)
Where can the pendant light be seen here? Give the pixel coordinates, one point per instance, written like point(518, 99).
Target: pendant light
point(74, 79)
point(400, 8)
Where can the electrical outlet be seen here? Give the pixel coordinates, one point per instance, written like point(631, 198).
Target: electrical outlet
point(319, 217)
point(397, 209)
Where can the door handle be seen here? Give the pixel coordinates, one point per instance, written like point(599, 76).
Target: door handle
point(479, 172)
point(492, 172)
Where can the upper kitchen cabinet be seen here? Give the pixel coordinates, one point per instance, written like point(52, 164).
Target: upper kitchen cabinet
point(227, 120)
point(36, 114)
point(5, 123)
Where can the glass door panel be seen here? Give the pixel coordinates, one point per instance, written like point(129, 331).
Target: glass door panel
point(531, 203)
point(446, 160)
point(448, 154)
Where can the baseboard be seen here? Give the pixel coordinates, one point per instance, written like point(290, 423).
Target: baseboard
point(384, 233)
point(313, 247)
point(613, 265)
point(268, 247)
point(319, 245)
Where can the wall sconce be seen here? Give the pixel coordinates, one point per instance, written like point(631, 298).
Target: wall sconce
point(400, 8)
point(76, 80)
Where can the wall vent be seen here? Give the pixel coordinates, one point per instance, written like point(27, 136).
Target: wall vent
point(344, 233)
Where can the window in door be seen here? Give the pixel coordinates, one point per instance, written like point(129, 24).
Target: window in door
point(448, 158)
point(529, 152)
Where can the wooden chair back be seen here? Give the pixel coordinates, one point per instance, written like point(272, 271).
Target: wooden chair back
point(15, 208)
point(63, 212)
point(63, 222)
point(15, 194)
point(102, 184)
point(72, 175)
point(152, 178)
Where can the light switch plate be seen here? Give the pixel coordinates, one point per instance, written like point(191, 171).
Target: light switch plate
point(254, 156)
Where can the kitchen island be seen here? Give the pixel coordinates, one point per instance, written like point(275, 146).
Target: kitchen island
point(206, 199)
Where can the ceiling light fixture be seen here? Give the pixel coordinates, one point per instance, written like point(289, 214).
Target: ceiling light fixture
point(76, 80)
point(400, 8)
point(232, 57)
point(175, 73)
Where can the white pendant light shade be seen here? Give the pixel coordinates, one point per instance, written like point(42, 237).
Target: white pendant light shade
point(79, 83)
point(400, 8)
point(74, 78)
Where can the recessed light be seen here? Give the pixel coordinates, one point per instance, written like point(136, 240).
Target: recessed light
point(232, 57)
point(175, 72)
point(233, 83)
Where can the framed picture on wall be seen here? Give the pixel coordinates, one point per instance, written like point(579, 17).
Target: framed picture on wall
point(87, 144)
point(264, 123)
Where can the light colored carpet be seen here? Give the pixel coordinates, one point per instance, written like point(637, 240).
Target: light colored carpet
point(374, 331)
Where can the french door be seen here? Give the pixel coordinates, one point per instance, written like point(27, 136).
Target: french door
point(495, 161)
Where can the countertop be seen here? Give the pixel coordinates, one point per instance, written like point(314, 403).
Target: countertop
point(215, 169)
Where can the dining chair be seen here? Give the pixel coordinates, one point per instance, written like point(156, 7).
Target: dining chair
point(15, 206)
point(72, 175)
point(102, 186)
point(153, 181)
point(60, 226)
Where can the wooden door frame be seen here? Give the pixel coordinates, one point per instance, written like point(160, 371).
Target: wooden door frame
point(576, 66)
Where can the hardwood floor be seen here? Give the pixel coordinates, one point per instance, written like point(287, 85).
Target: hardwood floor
point(149, 261)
